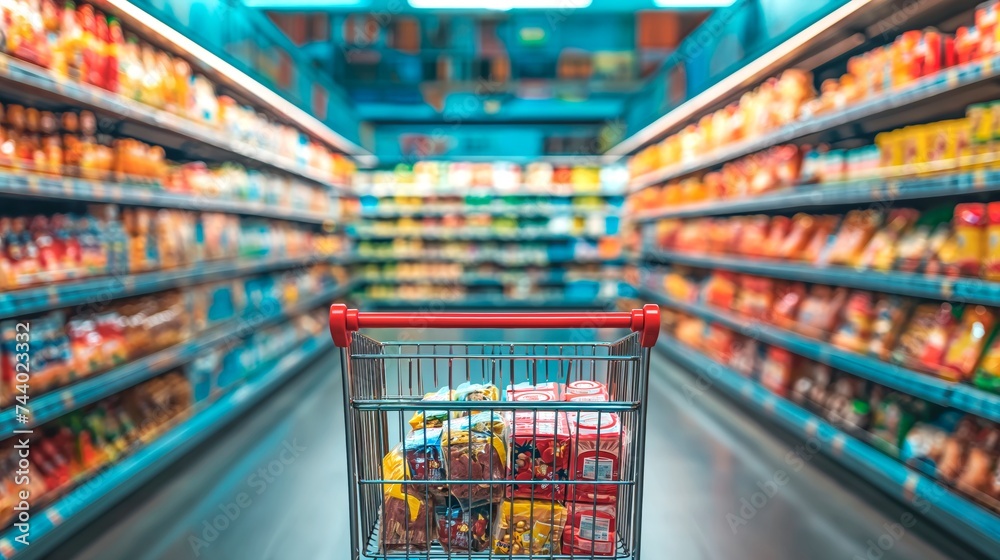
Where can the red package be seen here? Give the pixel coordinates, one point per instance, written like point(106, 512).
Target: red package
point(776, 373)
point(553, 389)
point(600, 443)
point(541, 449)
point(585, 387)
point(590, 529)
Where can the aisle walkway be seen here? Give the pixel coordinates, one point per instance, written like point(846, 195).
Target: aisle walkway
point(705, 463)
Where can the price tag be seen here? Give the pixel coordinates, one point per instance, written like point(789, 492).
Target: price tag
point(54, 516)
point(812, 427)
point(6, 550)
point(987, 66)
point(53, 293)
point(952, 77)
point(33, 183)
point(603, 468)
point(947, 288)
point(979, 179)
point(910, 486)
point(67, 398)
point(67, 186)
point(839, 441)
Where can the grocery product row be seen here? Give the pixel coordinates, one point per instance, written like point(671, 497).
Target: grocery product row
point(509, 254)
point(87, 57)
point(427, 178)
point(490, 227)
point(955, 448)
point(934, 350)
point(76, 144)
point(129, 440)
point(946, 147)
point(104, 348)
point(486, 273)
point(526, 292)
point(498, 481)
point(947, 240)
point(108, 240)
point(918, 66)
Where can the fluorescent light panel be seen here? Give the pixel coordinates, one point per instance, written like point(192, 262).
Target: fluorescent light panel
point(694, 3)
point(281, 105)
point(499, 5)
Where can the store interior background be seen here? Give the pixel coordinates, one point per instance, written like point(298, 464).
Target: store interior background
point(827, 379)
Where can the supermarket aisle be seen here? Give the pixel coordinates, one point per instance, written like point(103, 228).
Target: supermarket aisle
point(704, 458)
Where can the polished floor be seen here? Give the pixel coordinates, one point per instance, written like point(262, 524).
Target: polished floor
point(705, 461)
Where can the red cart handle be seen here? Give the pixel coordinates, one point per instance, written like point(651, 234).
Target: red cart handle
point(344, 321)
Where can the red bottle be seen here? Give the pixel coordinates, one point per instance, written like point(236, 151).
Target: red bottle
point(116, 38)
point(99, 70)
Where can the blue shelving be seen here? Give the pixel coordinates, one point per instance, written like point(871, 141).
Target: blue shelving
point(977, 525)
point(56, 403)
point(28, 76)
point(927, 387)
point(922, 90)
point(486, 302)
point(25, 183)
point(965, 290)
point(837, 194)
point(76, 509)
point(78, 292)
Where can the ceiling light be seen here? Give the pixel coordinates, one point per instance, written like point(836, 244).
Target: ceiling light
point(694, 3)
point(501, 5)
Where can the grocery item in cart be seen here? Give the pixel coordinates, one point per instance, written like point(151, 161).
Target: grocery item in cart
point(464, 530)
point(432, 418)
point(585, 387)
point(590, 529)
point(422, 449)
point(540, 450)
point(406, 526)
point(476, 392)
point(600, 443)
point(471, 454)
point(551, 388)
point(529, 527)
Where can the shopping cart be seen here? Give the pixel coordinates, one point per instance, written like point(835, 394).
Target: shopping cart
point(519, 477)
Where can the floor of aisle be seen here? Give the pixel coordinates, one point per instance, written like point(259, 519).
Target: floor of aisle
point(704, 458)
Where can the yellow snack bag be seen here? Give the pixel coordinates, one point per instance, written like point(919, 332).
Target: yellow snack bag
point(523, 529)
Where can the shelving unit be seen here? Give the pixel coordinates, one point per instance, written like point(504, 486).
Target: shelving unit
point(957, 289)
point(33, 185)
point(941, 89)
point(74, 510)
point(65, 294)
point(825, 195)
point(23, 78)
point(51, 405)
point(924, 386)
point(978, 526)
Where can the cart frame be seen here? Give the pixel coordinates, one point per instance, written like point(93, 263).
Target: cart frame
point(385, 381)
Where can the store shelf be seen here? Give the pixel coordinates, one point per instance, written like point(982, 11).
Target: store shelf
point(78, 292)
point(526, 191)
point(505, 259)
point(58, 402)
point(973, 523)
point(928, 89)
point(87, 502)
point(553, 277)
point(27, 184)
point(479, 302)
point(18, 76)
point(837, 194)
point(927, 387)
point(519, 210)
point(471, 234)
point(965, 290)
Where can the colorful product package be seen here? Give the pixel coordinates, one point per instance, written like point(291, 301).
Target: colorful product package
point(540, 451)
point(968, 341)
point(891, 312)
point(433, 418)
point(471, 454)
point(585, 387)
point(924, 444)
point(922, 345)
point(526, 527)
point(600, 442)
point(406, 525)
point(777, 369)
point(855, 326)
point(552, 388)
point(987, 375)
point(818, 313)
point(464, 530)
point(425, 461)
point(590, 529)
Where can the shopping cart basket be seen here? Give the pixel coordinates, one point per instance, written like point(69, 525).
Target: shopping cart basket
point(531, 450)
